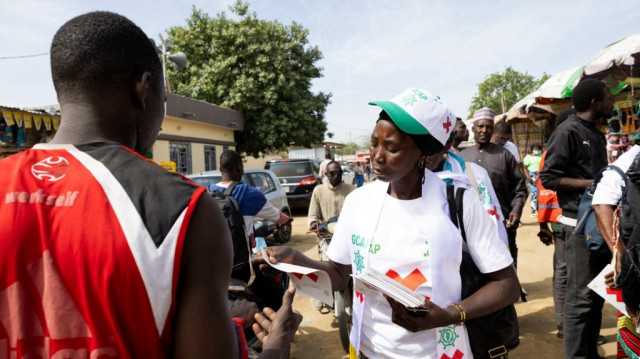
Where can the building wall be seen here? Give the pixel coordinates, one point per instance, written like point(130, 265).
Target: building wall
point(199, 135)
point(186, 128)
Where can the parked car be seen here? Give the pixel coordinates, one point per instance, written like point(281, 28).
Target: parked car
point(298, 177)
point(264, 180)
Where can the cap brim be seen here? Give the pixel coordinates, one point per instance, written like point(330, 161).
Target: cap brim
point(401, 118)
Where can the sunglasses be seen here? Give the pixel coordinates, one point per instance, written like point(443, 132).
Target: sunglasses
point(335, 173)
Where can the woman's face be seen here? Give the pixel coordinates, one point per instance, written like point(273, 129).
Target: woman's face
point(394, 155)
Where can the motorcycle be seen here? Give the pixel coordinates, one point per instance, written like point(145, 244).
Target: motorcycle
point(273, 233)
point(342, 299)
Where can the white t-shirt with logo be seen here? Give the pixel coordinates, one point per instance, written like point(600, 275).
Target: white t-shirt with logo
point(609, 189)
point(400, 249)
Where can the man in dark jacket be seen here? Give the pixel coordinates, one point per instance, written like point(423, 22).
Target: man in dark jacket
point(504, 173)
point(575, 153)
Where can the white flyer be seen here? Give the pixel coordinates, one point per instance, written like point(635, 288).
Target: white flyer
point(612, 295)
point(372, 280)
point(309, 282)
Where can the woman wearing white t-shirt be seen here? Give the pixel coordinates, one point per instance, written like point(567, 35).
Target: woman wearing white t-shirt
point(400, 226)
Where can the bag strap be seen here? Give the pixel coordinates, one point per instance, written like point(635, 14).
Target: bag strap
point(231, 187)
point(452, 205)
point(471, 176)
point(455, 208)
point(459, 210)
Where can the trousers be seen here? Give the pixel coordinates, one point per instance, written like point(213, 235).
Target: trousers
point(559, 274)
point(582, 307)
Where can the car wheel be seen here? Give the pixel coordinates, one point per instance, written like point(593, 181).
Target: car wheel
point(284, 230)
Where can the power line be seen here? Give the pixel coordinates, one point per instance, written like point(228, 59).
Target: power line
point(23, 56)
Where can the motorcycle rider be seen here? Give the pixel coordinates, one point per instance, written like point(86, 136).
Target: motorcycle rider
point(326, 202)
point(327, 198)
point(251, 200)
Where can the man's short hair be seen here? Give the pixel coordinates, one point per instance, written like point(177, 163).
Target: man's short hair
point(229, 160)
point(585, 91)
point(502, 127)
point(332, 162)
point(100, 51)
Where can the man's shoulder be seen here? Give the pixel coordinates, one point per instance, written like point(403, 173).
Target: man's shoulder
point(346, 187)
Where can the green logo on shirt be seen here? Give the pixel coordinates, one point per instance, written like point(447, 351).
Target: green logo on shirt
point(448, 336)
point(358, 260)
point(362, 242)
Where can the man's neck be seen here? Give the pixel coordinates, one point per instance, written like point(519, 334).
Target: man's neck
point(227, 178)
point(83, 122)
point(588, 116)
point(485, 146)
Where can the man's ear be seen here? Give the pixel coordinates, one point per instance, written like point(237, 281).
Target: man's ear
point(143, 86)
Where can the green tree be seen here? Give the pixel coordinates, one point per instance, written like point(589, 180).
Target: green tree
point(261, 68)
point(510, 84)
point(349, 148)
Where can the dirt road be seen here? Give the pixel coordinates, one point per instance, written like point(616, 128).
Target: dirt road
point(318, 337)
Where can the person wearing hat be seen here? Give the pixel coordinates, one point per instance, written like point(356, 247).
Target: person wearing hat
point(503, 170)
point(400, 226)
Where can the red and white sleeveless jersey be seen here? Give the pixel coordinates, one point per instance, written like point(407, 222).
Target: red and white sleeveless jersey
point(90, 247)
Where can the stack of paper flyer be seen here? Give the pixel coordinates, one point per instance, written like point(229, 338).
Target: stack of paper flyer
point(390, 287)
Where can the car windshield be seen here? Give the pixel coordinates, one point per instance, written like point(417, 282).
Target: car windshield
point(291, 169)
point(207, 181)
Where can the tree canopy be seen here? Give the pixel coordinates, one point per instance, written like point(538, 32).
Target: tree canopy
point(261, 68)
point(510, 84)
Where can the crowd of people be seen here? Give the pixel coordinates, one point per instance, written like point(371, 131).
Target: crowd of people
point(108, 255)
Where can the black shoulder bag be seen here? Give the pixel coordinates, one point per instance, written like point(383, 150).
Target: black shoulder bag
point(493, 335)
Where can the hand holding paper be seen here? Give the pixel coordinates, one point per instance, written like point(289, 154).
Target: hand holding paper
point(309, 282)
point(612, 295)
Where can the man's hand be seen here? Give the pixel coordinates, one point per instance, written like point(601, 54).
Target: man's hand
point(610, 280)
point(313, 226)
point(244, 310)
point(276, 255)
point(281, 325)
point(546, 235)
point(513, 220)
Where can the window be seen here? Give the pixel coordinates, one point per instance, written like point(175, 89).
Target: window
point(263, 182)
point(180, 153)
point(210, 158)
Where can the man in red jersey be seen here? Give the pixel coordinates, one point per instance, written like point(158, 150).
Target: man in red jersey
point(104, 254)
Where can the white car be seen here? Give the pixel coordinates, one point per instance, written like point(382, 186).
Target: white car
point(347, 174)
point(264, 180)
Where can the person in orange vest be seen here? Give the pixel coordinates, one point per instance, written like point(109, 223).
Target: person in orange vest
point(549, 212)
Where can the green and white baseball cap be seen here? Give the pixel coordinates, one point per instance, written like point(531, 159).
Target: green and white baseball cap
point(419, 112)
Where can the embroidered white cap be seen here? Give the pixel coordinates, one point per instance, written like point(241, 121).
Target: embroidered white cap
point(418, 112)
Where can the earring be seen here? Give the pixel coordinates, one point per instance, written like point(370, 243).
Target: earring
point(421, 165)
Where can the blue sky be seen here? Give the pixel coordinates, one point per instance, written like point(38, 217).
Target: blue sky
point(373, 49)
